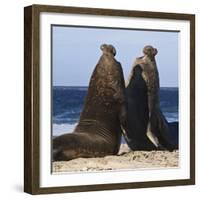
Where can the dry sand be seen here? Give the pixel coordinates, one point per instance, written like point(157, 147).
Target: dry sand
point(126, 159)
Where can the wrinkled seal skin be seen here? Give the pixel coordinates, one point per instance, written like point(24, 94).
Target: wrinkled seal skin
point(147, 127)
point(98, 132)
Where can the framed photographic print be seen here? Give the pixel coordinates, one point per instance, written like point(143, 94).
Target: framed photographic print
point(109, 99)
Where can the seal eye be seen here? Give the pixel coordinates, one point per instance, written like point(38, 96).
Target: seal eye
point(112, 49)
point(103, 46)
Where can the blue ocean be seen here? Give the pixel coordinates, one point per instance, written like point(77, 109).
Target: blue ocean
point(68, 102)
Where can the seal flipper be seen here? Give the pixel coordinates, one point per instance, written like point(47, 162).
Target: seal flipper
point(152, 136)
point(160, 127)
point(70, 146)
point(65, 143)
point(174, 134)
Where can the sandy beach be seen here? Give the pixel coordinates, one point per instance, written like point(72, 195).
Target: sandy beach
point(126, 159)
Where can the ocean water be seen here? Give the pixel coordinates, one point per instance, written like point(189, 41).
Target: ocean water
point(68, 103)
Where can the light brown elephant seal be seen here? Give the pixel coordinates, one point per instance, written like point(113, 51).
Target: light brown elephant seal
point(148, 128)
point(98, 132)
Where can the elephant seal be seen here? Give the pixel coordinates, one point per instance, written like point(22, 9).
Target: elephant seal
point(148, 128)
point(98, 132)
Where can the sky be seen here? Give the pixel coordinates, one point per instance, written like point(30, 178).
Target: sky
point(76, 51)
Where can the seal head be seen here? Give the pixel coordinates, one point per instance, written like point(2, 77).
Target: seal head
point(108, 49)
point(150, 51)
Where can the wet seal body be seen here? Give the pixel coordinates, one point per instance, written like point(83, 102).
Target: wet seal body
point(98, 132)
point(148, 128)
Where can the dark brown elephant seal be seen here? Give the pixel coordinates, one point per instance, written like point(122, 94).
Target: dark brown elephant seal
point(148, 128)
point(98, 132)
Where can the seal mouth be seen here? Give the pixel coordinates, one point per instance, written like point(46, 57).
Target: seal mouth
point(140, 57)
point(155, 51)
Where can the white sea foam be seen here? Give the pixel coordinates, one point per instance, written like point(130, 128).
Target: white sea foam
point(171, 119)
point(59, 129)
